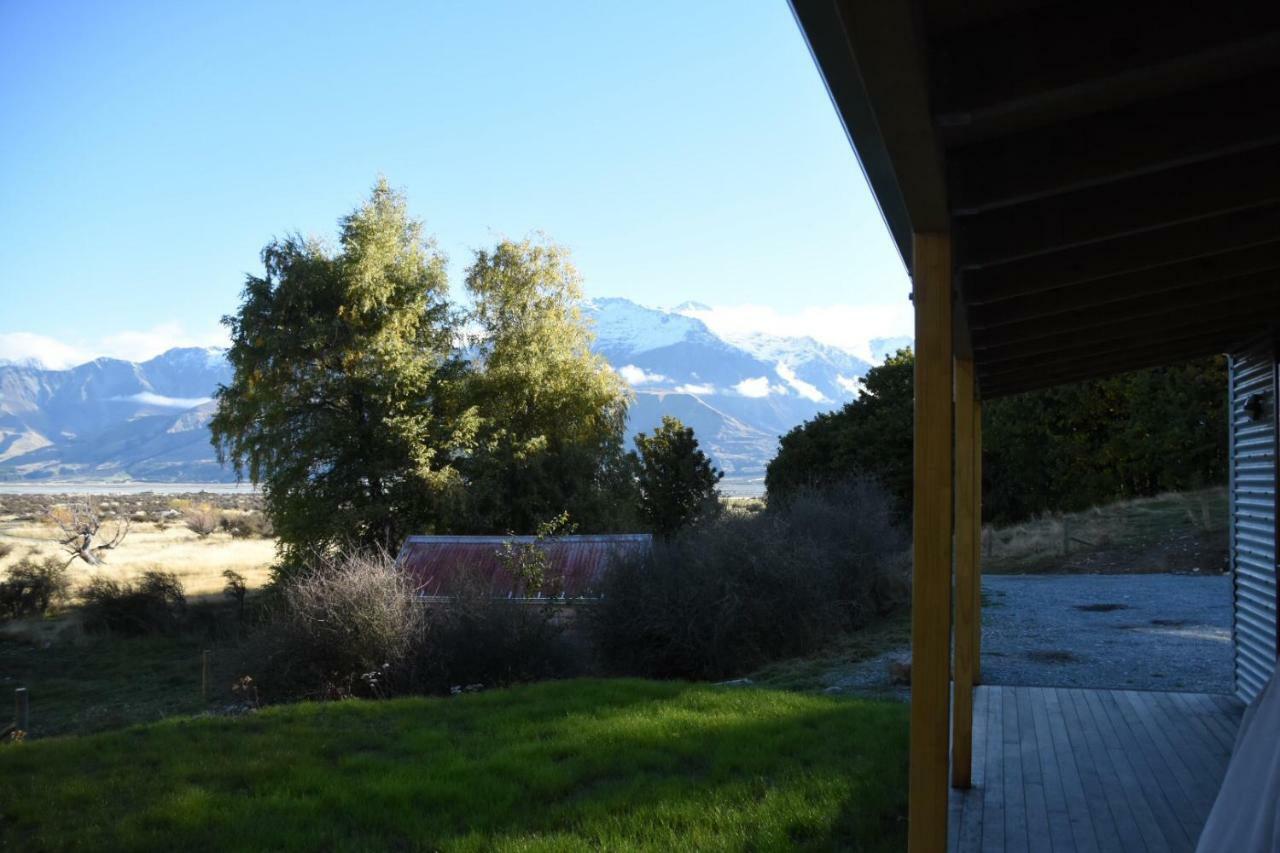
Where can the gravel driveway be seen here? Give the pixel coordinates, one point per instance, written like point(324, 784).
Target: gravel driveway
point(1134, 631)
point(1149, 632)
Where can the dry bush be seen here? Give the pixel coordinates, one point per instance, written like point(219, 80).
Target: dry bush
point(202, 519)
point(248, 525)
point(348, 625)
point(153, 603)
point(31, 588)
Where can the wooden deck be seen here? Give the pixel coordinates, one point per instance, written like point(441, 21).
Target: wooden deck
point(1064, 769)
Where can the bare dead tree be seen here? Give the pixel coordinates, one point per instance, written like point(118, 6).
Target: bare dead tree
point(86, 535)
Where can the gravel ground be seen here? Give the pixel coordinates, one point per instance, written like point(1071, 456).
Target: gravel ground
point(1145, 632)
point(1149, 632)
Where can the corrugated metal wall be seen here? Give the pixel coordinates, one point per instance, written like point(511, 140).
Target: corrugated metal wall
point(1253, 510)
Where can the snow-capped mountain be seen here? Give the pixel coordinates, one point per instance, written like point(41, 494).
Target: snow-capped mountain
point(110, 419)
point(739, 395)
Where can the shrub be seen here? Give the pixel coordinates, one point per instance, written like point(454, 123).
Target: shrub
point(154, 603)
point(201, 519)
point(349, 625)
point(235, 589)
point(722, 599)
point(5, 550)
point(31, 588)
point(476, 638)
point(248, 525)
point(853, 526)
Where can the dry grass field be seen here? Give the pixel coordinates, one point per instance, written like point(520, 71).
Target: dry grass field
point(198, 562)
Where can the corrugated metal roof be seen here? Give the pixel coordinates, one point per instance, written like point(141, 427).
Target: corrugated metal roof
point(442, 564)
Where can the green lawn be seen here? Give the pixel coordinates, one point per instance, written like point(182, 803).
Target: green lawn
point(108, 682)
point(571, 765)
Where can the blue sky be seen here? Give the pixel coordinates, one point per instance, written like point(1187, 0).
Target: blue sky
point(682, 151)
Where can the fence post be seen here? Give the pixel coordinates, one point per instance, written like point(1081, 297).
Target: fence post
point(1066, 535)
point(204, 674)
point(22, 709)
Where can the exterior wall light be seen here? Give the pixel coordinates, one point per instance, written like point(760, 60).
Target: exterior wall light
point(1255, 406)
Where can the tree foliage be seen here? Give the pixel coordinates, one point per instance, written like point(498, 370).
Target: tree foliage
point(551, 412)
point(367, 406)
point(870, 436)
point(344, 361)
point(677, 481)
point(1075, 446)
point(1064, 448)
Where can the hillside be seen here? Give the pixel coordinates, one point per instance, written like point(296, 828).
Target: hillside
point(113, 420)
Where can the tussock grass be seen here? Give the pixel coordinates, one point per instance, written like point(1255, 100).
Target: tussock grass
point(1134, 525)
point(572, 765)
point(198, 562)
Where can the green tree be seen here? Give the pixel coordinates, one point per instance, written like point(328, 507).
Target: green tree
point(1078, 445)
point(677, 481)
point(870, 436)
point(552, 412)
point(1064, 448)
point(342, 406)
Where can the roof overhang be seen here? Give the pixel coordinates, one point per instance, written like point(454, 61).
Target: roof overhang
point(1109, 173)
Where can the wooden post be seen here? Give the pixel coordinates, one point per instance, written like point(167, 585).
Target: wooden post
point(932, 547)
point(204, 674)
point(967, 530)
point(21, 709)
point(977, 544)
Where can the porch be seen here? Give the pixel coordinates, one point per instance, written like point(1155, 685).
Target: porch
point(1077, 191)
point(1104, 770)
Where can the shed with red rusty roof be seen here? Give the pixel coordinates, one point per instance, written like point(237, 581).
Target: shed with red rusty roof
point(442, 566)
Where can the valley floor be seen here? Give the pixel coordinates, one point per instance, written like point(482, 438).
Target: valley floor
point(198, 562)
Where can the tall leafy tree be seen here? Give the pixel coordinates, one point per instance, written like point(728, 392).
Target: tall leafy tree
point(552, 413)
point(342, 406)
point(871, 436)
point(677, 480)
point(1064, 448)
point(1073, 446)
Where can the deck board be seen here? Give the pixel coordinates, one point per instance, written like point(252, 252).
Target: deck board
point(1015, 796)
point(1032, 775)
point(1066, 769)
point(1084, 836)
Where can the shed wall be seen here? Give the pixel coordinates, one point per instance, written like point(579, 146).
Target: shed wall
point(1253, 516)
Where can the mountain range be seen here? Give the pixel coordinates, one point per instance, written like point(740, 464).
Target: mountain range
point(115, 420)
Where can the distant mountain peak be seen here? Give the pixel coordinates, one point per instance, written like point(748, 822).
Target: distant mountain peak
point(690, 307)
point(149, 420)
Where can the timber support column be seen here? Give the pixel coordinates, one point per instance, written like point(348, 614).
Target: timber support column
point(967, 534)
point(932, 548)
point(977, 542)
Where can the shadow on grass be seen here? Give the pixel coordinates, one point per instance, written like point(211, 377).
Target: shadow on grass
point(578, 764)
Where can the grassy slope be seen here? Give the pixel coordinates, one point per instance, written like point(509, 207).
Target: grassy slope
point(1170, 532)
point(555, 766)
point(815, 672)
point(105, 682)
